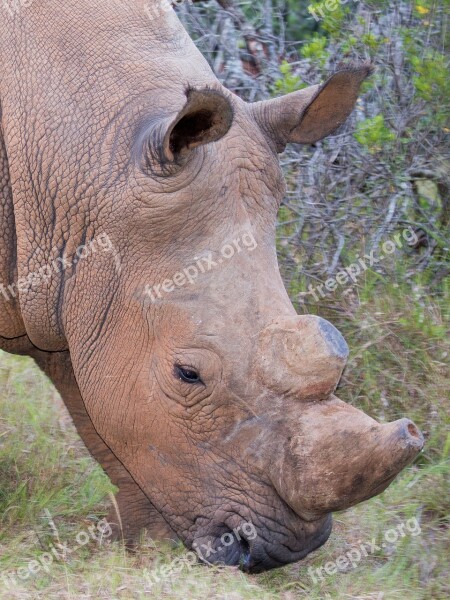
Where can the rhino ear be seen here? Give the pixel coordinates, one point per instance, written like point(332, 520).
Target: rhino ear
point(310, 114)
point(205, 118)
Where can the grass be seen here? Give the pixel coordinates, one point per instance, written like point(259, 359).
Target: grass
point(51, 490)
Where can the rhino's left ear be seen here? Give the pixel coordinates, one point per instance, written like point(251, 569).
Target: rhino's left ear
point(310, 114)
point(206, 117)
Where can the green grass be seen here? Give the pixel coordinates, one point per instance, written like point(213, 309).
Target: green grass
point(50, 489)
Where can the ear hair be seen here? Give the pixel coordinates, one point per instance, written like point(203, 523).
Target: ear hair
point(205, 118)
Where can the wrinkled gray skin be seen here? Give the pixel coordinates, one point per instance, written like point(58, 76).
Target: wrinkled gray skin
point(112, 124)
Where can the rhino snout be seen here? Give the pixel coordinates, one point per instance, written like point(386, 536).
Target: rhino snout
point(302, 355)
point(406, 436)
point(341, 456)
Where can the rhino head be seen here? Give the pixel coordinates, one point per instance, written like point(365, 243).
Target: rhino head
point(192, 363)
point(213, 392)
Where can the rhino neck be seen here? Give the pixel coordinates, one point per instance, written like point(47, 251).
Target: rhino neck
point(86, 69)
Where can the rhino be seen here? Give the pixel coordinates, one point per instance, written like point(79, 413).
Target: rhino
point(207, 400)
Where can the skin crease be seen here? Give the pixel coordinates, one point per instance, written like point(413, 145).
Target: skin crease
point(90, 94)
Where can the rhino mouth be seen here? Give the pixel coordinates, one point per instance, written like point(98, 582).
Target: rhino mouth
point(265, 550)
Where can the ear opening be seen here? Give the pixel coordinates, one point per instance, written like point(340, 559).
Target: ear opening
point(206, 117)
point(165, 143)
point(191, 130)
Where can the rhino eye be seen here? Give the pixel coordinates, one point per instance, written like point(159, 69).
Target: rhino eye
point(187, 375)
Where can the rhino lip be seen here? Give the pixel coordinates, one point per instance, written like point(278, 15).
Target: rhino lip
point(260, 553)
point(263, 556)
point(238, 554)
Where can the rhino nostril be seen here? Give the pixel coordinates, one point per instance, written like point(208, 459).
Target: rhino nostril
point(408, 434)
point(336, 343)
point(413, 430)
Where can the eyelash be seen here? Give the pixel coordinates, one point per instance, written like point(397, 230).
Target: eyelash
point(188, 375)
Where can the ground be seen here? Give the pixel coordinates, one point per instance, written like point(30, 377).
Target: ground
point(53, 495)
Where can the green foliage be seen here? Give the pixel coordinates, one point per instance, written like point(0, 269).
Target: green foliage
point(371, 41)
point(29, 484)
point(428, 63)
point(330, 14)
point(373, 134)
point(315, 50)
point(289, 82)
point(422, 9)
point(299, 23)
point(432, 75)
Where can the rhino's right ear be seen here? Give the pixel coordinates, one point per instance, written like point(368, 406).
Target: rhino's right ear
point(311, 114)
point(206, 117)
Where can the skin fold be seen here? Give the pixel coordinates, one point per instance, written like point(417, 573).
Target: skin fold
point(209, 403)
